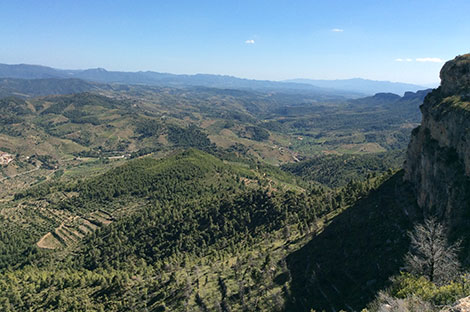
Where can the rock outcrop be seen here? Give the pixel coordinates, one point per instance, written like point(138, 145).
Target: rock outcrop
point(463, 305)
point(455, 76)
point(438, 157)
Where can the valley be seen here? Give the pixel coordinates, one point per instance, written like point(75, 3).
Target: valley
point(153, 198)
point(186, 183)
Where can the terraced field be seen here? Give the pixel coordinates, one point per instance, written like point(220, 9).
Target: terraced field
point(72, 228)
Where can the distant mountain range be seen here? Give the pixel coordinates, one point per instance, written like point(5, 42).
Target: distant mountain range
point(100, 75)
point(360, 85)
point(39, 87)
point(325, 89)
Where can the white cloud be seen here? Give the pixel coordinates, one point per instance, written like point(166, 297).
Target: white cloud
point(420, 59)
point(250, 41)
point(430, 59)
point(337, 30)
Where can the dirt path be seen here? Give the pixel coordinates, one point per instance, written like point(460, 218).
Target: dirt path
point(19, 174)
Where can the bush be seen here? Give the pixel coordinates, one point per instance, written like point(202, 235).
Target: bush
point(407, 285)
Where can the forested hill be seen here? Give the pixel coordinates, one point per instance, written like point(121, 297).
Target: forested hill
point(188, 230)
point(338, 170)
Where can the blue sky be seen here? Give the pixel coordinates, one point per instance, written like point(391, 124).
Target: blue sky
point(384, 40)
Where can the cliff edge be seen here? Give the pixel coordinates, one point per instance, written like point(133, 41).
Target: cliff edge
point(438, 156)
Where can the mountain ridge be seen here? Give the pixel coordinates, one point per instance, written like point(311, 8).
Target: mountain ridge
point(366, 86)
point(101, 75)
point(323, 87)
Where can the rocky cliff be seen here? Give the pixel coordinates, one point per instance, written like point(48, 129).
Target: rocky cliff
point(438, 157)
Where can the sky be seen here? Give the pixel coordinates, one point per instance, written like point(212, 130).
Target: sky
point(399, 40)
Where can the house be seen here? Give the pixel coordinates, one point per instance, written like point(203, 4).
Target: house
point(5, 158)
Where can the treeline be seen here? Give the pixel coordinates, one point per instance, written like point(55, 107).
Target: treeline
point(164, 180)
point(338, 170)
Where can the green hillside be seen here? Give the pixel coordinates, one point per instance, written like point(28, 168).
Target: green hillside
point(151, 226)
point(338, 170)
point(185, 199)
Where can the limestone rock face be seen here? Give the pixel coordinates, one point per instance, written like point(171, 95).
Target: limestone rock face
point(438, 156)
point(455, 75)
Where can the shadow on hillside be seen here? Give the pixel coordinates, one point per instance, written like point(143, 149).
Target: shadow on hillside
point(354, 257)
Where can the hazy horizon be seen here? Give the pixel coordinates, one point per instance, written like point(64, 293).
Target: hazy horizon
point(398, 41)
point(295, 79)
